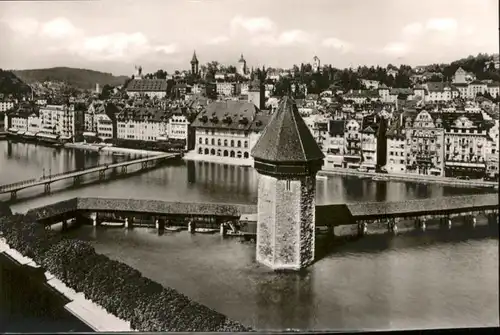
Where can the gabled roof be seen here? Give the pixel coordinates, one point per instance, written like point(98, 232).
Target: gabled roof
point(368, 130)
point(286, 139)
point(235, 115)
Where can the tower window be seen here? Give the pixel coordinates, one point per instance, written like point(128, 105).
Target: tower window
point(288, 185)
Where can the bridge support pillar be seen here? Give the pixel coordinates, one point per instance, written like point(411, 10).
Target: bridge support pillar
point(13, 195)
point(64, 225)
point(157, 224)
point(392, 226)
point(124, 169)
point(76, 180)
point(191, 227)
point(144, 165)
point(423, 224)
point(362, 228)
point(223, 229)
point(47, 188)
point(102, 174)
point(93, 216)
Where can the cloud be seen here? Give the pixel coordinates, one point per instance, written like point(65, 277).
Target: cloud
point(252, 25)
point(335, 43)
point(119, 46)
point(441, 24)
point(412, 29)
point(396, 48)
point(25, 27)
point(217, 40)
point(285, 38)
point(59, 28)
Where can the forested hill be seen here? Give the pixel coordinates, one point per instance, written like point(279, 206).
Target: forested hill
point(11, 84)
point(78, 78)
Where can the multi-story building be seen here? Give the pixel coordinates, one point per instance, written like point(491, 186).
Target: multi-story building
point(492, 151)
point(465, 144)
point(141, 123)
point(318, 126)
point(476, 87)
point(352, 140)
point(228, 129)
point(139, 86)
point(424, 144)
point(440, 92)
point(61, 120)
point(177, 126)
point(369, 147)
point(226, 88)
point(462, 77)
point(105, 127)
point(494, 89)
point(396, 153)
point(334, 148)
point(6, 105)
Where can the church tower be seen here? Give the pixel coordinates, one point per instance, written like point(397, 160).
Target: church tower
point(287, 158)
point(194, 64)
point(316, 64)
point(242, 66)
point(256, 94)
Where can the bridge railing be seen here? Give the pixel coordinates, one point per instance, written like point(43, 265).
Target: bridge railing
point(52, 176)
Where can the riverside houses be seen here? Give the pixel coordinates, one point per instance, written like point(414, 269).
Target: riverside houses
point(492, 147)
point(424, 144)
point(352, 136)
point(141, 123)
point(465, 144)
point(229, 129)
point(139, 86)
point(334, 149)
point(61, 121)
point(396, 160)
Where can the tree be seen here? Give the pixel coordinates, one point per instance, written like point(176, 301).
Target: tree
point(106, 92)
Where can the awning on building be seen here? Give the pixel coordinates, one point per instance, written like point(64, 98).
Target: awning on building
point(22, 132)
point(29, 134)
point(466, 164)
point(13, 130)
point(89, 134)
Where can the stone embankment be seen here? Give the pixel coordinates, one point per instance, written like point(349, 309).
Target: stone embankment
point(410, 177)
point(193, 156)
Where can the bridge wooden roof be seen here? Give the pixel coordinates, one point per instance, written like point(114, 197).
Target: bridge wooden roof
point(430, 206)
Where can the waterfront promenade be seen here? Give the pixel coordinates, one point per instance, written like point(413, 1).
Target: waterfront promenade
point(410, 177)
point(108, 149)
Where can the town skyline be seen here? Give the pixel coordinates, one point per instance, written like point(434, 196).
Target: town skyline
point(101, 36)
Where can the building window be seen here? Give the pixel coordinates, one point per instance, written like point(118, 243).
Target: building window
point(218, 152)
point(238, 154)
point(231, 154)
point(226, 153)
point(239, 144)
point(200, 141)
point(288, 185)
point(245, 155)
point(200, 151)
point(206, 151)
point(225, 143)
point(232, 143)
point(212, 152)
point(219, 142)
point(213, 141)
point(246, 144)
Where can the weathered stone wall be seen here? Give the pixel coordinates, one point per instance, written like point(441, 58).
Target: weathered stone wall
point(307, 220)
point(286, 227)
point(287, 224)
point(265, 220)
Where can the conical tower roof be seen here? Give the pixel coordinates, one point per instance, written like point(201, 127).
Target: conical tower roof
point(194, 59)
point(242, 60)
point(287, 139)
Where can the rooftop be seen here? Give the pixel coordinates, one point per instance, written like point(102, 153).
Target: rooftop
point(231, 115)
point(287, 139)
point(147, 85)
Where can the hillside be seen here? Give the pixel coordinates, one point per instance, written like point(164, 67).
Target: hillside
point(78, 78)
point(11, 84)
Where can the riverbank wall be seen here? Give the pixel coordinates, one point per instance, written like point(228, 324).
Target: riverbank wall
point(410, 177)
point(193, 156)
point(104, 285)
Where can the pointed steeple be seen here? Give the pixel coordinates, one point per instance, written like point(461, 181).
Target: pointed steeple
point(194, 60)
point(242, 60)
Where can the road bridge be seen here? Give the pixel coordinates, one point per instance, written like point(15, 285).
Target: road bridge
point(146, 163)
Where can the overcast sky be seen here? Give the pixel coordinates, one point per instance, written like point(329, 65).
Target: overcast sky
point(112, 36)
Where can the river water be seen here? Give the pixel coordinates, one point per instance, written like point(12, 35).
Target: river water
point(435, 279)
